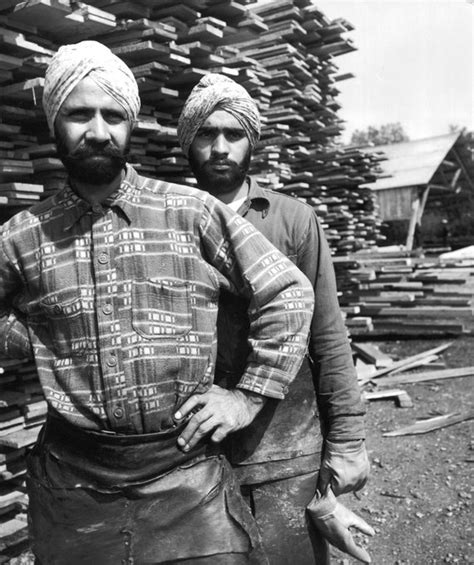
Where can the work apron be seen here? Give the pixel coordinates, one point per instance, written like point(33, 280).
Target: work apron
point(108, 499)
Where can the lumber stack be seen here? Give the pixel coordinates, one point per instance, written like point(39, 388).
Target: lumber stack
point(22, 412)
point(297, 153)
point(282, 52)
point(406, 295)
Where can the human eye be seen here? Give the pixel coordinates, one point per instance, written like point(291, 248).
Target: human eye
point(78, 115)
point(235, 134)
point(113, 117)
point(205, 133)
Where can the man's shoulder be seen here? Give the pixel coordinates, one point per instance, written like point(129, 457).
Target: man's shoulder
point(287, 204)
point(30, 216)
point(162, 187)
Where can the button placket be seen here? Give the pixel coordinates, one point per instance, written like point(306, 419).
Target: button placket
point(103, 242)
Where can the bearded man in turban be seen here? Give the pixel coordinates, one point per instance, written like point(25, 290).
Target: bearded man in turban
point(111, 286)
point(278, 455)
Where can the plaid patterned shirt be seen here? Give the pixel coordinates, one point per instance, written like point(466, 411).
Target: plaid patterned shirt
point(117, 303)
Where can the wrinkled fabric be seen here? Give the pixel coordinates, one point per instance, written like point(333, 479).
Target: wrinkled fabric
point(279, 507)
point(112, 498)
point(74, 62)
point(191, 512)
point(217, 92)
point(290, 430)
point(120, 307)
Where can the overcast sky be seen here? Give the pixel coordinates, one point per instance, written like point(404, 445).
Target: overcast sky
point(414, 64)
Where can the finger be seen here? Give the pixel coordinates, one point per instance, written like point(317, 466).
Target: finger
point(361, 524)
point(192, 433)
point(220, 433)
point(191, 403)
point(351, 519)
point(358, 552)
point(342, 538)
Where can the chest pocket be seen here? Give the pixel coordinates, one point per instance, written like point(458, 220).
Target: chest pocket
point(67, 323)
point(161, 309)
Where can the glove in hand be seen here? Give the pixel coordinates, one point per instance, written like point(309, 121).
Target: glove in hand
point(333, 520)
point(345, 467)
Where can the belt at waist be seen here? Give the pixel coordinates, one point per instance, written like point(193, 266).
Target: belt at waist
point(72, 455)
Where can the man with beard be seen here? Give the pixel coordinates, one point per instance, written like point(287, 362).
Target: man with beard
point(278, 456)
point(112, 287)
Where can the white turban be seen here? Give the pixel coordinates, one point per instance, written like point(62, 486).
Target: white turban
point(74, 62)
point(217, 92)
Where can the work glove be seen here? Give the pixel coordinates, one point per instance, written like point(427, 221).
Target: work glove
point(333, 521)
point(345, 466)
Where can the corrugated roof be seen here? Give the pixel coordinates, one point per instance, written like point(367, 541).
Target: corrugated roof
point(412, 163)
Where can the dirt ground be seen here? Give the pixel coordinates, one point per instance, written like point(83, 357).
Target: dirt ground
point(419, 497)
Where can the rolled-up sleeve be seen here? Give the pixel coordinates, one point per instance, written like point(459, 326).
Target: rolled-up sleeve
point(14, 337)
point(281, 298)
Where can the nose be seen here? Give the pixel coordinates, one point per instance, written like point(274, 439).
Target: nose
point(220, 145)
point(98, 130)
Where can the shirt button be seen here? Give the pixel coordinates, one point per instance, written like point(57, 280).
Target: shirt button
point(57, 309)
point(118, 412)
point(97, 209)
point(107, 308)
point(103, 258)
point(112, 361)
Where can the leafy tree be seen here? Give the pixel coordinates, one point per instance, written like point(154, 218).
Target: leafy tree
point(383, 135)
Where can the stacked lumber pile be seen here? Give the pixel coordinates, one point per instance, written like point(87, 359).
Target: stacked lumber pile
point(406, 295)
point(282, 52)
point(297, 152)
point(22, 412)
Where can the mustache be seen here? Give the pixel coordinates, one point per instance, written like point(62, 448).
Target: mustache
point(95, 150)
point(220, 161)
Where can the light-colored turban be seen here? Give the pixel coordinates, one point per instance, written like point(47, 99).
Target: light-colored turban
point(74, 62)
point(217, 92)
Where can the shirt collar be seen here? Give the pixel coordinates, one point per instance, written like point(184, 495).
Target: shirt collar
point(124, 197)
point(256, 198)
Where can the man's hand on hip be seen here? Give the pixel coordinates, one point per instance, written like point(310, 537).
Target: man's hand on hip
point(217, 412)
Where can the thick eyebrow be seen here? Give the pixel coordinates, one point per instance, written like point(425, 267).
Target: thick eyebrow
point(87, 109)
point(215, 129)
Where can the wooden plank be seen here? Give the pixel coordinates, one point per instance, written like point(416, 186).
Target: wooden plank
point(425, 376)
point(431, 424)
point(411, 359)
point(401, 397)
point(370, 352)
point(21, 438)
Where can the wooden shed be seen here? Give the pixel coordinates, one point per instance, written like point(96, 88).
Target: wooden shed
point(419, 175)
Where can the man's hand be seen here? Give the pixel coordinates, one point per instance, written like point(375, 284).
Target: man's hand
point(333, 521)
point(219, 412)
point(345, 467)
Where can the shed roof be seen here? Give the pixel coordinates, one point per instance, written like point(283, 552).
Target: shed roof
point(412, 163)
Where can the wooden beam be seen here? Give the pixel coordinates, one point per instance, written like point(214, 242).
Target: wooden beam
point(425, 376)
point(412, 225)
point(436, 423)
point(411, 359)
point(463, 167)
point(401, 397)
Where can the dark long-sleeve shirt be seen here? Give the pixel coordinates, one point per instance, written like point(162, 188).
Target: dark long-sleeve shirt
point(290, 429)
point(117, 303)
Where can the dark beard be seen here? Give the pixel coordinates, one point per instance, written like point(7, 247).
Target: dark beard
point(92, 163)
point(220, 182)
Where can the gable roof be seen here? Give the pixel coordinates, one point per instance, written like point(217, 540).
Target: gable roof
point(411, 163)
